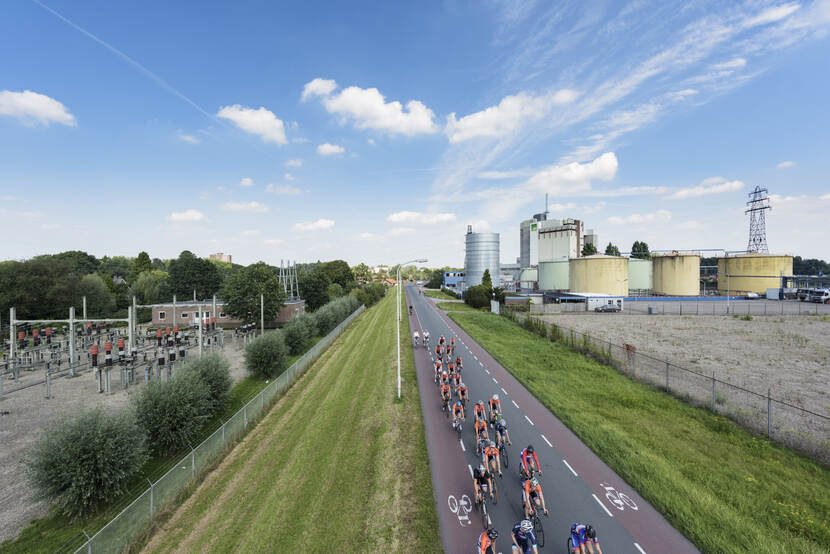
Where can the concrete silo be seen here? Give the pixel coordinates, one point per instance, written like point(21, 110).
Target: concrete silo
point(599, 274)
point(677, 274)
point(752, 273)
point(553, 274)
point(482, 253)
point(640, 275)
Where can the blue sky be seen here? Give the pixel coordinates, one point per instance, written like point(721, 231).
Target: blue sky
point(377, 132)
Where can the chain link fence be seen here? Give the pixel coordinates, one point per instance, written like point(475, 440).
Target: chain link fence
point(116, 534)
point(794, 426)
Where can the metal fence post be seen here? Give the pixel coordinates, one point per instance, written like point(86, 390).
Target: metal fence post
point(223, 432)
point(152, 499)
point(713, 391)
point(769, 414)
point(192, 462)
point(667, 376)
point(245, 413)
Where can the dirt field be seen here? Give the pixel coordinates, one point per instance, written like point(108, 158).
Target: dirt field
point(30, 412)
point(788, 354)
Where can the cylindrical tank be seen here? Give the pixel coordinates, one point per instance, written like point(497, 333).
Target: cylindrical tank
point(553, 274)
point(752, 272)
point(482, 253)
point(676, 274)
point(599, 274)
point(529, 274)
point(640, 274)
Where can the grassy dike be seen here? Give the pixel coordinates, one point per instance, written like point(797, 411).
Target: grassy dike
point(456, 307)
point(725, 489)
point(438, 294)
point(337, 465)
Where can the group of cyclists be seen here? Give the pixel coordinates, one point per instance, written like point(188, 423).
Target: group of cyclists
point(454, 396)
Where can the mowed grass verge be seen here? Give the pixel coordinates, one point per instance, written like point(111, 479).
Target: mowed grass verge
point(438, 294)
point(336, 465)
point(456, 307)
point(726, 490)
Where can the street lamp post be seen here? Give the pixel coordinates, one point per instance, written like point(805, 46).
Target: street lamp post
point(398, 296)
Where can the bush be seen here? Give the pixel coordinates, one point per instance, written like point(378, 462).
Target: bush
point(324, 320)
point(449, 292)
point(297, 334)
point(173, 412)
point(215, 371)
point(477, 297)
point(310, 323)
point(267, 355)
point(88, 460)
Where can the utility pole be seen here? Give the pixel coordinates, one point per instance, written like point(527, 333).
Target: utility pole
point(261, 314)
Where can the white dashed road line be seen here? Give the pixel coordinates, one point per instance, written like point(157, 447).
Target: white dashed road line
point(528, 420)
point(544, 438)
point(514, 403)
point(564, 461)
point(462, 445)
point(502, 390)
point(640, 548)
point(494, 380)
point(603, 505)
point(487, 370)
point(471, 469)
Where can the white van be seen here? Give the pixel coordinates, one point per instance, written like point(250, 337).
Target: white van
point(821, 296)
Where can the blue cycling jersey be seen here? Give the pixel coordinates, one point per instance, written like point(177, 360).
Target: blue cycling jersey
point(526, 539)
point(578, 535)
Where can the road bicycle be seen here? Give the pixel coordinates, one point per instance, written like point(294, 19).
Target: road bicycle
point(503, 452)
point(456, 424)
point(481, 505)
point(446, 408)
point(538, 530)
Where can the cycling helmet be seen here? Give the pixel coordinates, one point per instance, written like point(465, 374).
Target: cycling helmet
point(493, 534)
point(502, 422)
point(495, 397)
point(526, 526)
point(590, 532)
point(530, 449)
point(461, 384)
point(534, 482)
point(458, 403)
point(492, 444)
point(480, 402)
point(481, 468)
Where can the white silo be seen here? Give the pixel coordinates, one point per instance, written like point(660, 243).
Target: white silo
point(482, 253)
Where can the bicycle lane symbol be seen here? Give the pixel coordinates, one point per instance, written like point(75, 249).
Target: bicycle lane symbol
point(618, 500)
point(461, 508)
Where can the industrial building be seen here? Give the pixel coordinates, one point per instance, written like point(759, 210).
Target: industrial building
point(481, 254)
point(454, 279)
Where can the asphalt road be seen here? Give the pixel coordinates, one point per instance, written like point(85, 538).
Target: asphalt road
point(578, 486)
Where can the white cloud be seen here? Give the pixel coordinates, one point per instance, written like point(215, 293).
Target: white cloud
point(260, 122)
point(283, 189)
point(319, 225)
point(735, 63)
point(294, 163)
point(705, 189)
point(300, 140)
point(510, 115)
point(31, 107)
point(367, 236)
point(371, 141)
point(825, 196)
point(417, 217)
point(399, 231)
point(253, 206)
point(272, 242)
point(786, 164)
point(368, 109)
point(573, 177)
point(327, 149)
point(288, 177)
point(771, 15)
point(246, 182)
point(504, 174)
point(190, 215)
point(318, 87)
point(639, 219)
point(188, 138)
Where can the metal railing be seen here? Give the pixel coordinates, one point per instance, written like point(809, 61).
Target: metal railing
point(785, 422)
point(134, 518)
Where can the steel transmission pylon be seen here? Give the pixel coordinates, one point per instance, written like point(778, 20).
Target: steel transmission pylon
point(757, 208)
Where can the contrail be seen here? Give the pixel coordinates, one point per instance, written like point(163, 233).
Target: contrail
point(158, 80)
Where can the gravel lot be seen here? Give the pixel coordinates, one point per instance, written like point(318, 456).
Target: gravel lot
point(30, 412)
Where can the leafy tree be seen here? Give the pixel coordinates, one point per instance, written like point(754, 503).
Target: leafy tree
point(100, 301)
point(339, 272)
point(189, 273)
point(612, 250)
point(335, 291)
point(477, 296)
point(266, 356)
point(117, 266)
point(215, 372)
point(296, 333)
point(142, 263)
point(314, 288)
point(498, 294)
point(811, 266)
point(81, 262)
point(588, 249)
point(160, 264)
point(151, 287)
point(241, 293)
point(640, 250)
point(361, 271)
point(436, 279)
point(487, 281)
point(369, 293)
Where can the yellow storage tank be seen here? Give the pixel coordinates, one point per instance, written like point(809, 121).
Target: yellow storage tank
point(756, 273)
point(677, 274)
point(640, 275)
point(553, 274)
point(599, 274)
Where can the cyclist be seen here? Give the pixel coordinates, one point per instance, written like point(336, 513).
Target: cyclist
point(482, 477)
point(501, 432)
point(481, 442)
point(489, 455)
point(529, 462)
point(495, 408)
point(445, 378)
point(532, 494)
point(478, 411)
point(462, 392)
point(584, 538)
point(487, 542)
point(450, 366)
point(437, 370)
point(524, 539)
point(456, 379)
point(452, 342)
point(439, 353)
point(441, 340)
point(416, 338)
point(457, 412)
point(446, 393)
point(410, 310)
point(426, 338)
point(480, 429)
point(459, 363)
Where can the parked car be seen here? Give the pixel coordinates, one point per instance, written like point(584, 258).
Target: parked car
point(607, 308)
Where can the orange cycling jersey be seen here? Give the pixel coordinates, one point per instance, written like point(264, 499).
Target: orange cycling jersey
point(445, 388)
point(457, 409)
point(480, 425)
point(479, 410)
point(491, 451)
point(484, 543)
point(529, 488)
point(495, 405)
